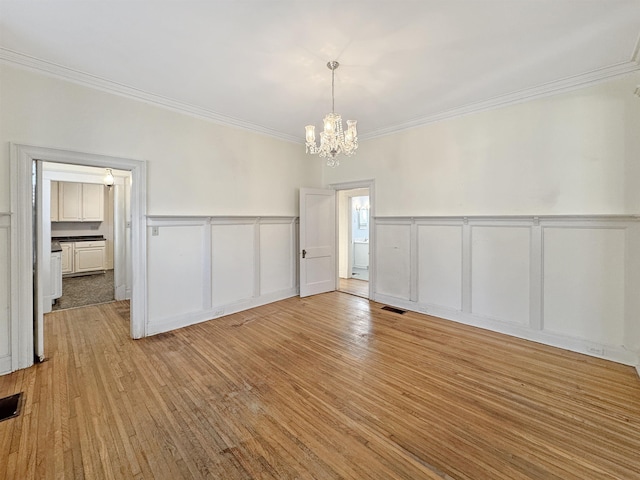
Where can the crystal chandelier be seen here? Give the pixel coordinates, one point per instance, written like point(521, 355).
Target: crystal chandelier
point(333, 140)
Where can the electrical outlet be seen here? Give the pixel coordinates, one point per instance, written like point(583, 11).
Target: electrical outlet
point(218, 313)
point(155, 231)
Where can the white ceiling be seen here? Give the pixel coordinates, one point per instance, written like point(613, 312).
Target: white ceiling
point(262, 64)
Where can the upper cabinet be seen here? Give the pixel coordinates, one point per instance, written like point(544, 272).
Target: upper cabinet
point(79, 202)
point(92, 202)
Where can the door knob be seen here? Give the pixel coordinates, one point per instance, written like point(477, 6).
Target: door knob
point(304, 253)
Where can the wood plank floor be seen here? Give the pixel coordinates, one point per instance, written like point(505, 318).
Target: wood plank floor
point(324, 387)
point(354, 287)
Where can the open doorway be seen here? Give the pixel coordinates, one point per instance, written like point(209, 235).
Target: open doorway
point(86, 241)
point(27, 243)
point(354, 209)
point(82, 234)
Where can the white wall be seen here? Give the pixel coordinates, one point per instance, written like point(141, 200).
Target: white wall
point(575, 153)
point(195, 167)
point(573, 284)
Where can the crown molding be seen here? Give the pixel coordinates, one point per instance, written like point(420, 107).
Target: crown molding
point(545, 90)
point(85, 79)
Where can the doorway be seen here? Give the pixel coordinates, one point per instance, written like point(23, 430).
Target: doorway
point(28, 243)
point(354, 237)
point(84, 228)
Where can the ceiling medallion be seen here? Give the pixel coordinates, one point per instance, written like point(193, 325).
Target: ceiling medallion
point(333, 140)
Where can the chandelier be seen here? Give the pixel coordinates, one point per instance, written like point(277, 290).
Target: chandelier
point(333, 140)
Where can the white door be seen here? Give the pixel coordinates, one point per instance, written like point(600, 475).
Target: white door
point(317, 241)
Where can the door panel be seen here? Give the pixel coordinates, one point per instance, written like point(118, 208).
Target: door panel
point(317, 241)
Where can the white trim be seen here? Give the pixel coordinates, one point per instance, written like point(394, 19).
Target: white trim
point(85, 79)
point(611, 352)
point(217, 311)
point(540, 91)
point(22, 157)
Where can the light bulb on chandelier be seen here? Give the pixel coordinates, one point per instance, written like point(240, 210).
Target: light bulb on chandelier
point(333, 140)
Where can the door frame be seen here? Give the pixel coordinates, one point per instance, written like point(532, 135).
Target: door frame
point(370, 184)
point(23, 242)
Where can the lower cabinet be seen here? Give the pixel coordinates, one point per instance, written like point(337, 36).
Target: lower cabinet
point(56, 275)
point(82, 257)
point(67, 257)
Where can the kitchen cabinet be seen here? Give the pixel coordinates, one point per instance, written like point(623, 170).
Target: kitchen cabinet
point(54, 201)
point(56, 275)
point(83, 257)
point(89, 256)
point(67, 257)
point(92, 202)
point(80, 202)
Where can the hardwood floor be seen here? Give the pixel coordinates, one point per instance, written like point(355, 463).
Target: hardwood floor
point(324, 387)
point(354, 286)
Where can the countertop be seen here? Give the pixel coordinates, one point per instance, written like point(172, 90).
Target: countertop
point(55, 246)
point(80, 238)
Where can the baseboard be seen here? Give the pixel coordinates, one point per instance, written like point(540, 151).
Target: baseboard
point(167, 324)
point(613, 353)
point(638, 370)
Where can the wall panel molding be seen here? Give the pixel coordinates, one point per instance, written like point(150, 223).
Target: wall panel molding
point(243, 262)
point(568, 281)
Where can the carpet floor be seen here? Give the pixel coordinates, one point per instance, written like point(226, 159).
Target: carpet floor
point(86, 290)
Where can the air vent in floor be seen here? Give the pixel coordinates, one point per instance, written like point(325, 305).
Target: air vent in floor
point(394, 310)
point(10, 406)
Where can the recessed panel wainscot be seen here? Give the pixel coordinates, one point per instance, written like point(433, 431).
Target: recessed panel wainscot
point(500, 258)
point(232, 263)
point(393, 261)
point(567, 281)
point(217, 266)
point(584, 276)
point(276, 263)
point(440, 265)
point(175, 270)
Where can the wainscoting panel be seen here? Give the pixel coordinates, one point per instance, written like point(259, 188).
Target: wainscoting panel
point(276, 262)
point(233, 260)
point(5, 288)
point(393, 259)
point(500, 258)
point(175, 279)
point(570, 282)
point(584, 280)
point(220, 265)
point(440, 265)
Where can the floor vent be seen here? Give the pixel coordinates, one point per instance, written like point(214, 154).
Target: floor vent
point(10, 406)
point(394, 310)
